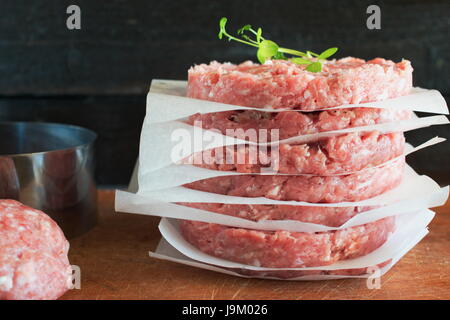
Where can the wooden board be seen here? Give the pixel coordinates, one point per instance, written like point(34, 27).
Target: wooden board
point(114, 264)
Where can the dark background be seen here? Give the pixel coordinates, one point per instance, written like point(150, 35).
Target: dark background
point(97, 77)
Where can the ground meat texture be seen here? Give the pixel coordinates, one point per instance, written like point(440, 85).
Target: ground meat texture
point(33, 254)
point(293, 123)
point(283, 249)
point(283, 84)
point(330, 156)
point(328, 216)
point(353, 187)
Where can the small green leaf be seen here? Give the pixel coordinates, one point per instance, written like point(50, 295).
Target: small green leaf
point(328, 53)
point(268, 48)
point(222, 24)
point(260, 56)
point(244, 28)
point(280, 56)
point(314, 67)
point(258, 35)
point(300, 61)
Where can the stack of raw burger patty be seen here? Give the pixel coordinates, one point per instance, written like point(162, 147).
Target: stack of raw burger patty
point(344, 168)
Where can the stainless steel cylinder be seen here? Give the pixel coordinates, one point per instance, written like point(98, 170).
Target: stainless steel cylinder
point(50, 167)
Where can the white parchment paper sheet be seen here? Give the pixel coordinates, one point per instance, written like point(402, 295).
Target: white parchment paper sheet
point(179, 174)
point(163, 144)
point(172, 95)
point(165, 251)
point(414, 192)
point(174, 248)
point(412, 185)
point(132, 203)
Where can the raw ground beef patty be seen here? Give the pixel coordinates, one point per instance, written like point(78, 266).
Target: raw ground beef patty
point(283, 249)
point(283, 84)
point(353, 187)
point(329, 216)
point(330, 156)
point(293, 123)
point(33, 254)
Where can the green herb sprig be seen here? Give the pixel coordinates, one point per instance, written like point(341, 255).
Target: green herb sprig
point(268, 49)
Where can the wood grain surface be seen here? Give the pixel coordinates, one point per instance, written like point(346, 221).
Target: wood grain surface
point(114, 264)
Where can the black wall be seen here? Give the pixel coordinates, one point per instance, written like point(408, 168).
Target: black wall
point(98, 76)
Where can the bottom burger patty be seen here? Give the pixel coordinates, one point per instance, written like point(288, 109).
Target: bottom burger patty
point(283, 249)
